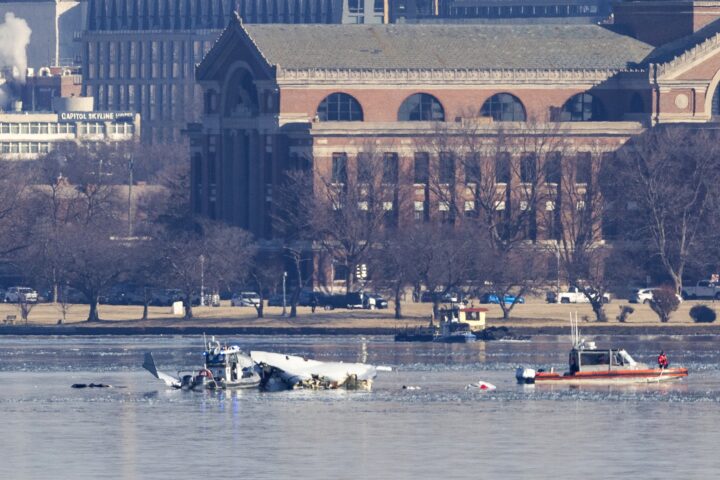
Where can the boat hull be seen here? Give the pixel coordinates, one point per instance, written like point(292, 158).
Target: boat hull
point(651, 375)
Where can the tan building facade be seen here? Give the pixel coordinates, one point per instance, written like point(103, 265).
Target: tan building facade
point(279, 96)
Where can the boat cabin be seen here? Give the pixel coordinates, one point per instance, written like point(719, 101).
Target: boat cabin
point(474, 317)
point(226, 365)
point(595, 360)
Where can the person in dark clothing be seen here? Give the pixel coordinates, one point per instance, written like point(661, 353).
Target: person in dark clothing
point(313, 303)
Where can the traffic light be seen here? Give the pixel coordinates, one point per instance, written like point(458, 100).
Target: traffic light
point(361, 271)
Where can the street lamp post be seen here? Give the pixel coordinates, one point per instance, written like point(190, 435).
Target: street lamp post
point(284, 312)
point(202, 280)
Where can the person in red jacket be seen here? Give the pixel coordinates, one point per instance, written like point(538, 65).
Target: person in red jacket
point(662, 360)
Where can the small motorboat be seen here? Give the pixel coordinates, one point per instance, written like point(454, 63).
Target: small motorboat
point(224, 368)
point(456, 326)
point(589, 364)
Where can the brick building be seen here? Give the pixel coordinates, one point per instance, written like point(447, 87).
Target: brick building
point(274, 94)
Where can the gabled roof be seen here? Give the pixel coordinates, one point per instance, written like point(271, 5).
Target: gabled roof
point(426, 47)
point(671, 50)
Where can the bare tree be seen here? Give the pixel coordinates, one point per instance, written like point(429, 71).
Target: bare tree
point(293, 223)
point(444, 259)
point(668, 180)
point(587, 261)
point(499, 193)
point(15, 221)
point(393, 265)
point(265, 271)
point(210, 255)
point(91, 260)
point(354, 203)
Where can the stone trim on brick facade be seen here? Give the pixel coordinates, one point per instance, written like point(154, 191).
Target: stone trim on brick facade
point(687, 59)
point(391, 76)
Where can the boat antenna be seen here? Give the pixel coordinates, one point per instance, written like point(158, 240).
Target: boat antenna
point(574, 330)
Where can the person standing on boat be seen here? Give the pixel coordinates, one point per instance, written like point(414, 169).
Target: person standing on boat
point(663, 360)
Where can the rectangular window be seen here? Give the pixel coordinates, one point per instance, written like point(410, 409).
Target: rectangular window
point(390, 168)
point(447, 168)
point(340, 272)
point(364, 168)
point(472, 169)
point(553, 168)
point(356, 6)
point(502, 168)
point(528, 168)
point(422, 168)
point(339, 168)
point(583, 171)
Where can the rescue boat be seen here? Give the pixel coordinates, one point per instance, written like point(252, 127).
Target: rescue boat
point(591, 365)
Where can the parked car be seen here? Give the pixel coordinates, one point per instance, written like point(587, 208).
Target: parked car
point(449, 297)
point(21, 295)
point(427, 296)
point(276, 300)
point(372, 301)
point(703, 289)
point(575, 295)
point(645, 295)
point(507, 299)
point(245, 299)
point(166, 297)
point(306, 297)
point(71, 295)
point(352, 300)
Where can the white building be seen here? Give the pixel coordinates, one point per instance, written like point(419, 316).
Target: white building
point(27, 136)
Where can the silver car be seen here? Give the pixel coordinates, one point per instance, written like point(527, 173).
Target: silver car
point(245, 299)
point(21, 295)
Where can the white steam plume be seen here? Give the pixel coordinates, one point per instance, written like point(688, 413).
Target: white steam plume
point(14, 39)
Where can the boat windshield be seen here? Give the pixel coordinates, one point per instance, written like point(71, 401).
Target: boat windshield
point(626, 358)
point(600, 357)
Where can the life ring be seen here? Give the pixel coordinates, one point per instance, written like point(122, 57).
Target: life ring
point(205, 373)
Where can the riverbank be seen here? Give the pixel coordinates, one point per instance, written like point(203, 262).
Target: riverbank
point(532, 318)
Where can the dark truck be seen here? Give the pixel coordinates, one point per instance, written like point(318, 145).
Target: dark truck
point(352, 300)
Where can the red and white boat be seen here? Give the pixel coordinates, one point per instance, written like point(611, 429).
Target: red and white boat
point(591, 365)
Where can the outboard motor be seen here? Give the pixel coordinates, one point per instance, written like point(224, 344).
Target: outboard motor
point(525, 375)
point(186, 383)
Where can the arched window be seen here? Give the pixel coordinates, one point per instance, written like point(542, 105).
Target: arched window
point(582, 107)
point(636, 103)
point(241, 96)
point(421, 107)
point(503, 107)
point(340, 107)
point(715, 107)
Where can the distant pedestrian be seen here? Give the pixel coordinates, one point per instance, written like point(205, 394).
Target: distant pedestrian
point(313, 303)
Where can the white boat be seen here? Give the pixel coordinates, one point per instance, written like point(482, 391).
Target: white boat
point(223, 368)
point(588, 365)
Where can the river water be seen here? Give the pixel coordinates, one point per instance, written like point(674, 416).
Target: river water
point(140, 429)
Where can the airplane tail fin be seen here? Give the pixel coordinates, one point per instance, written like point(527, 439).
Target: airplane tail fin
point(149, 365)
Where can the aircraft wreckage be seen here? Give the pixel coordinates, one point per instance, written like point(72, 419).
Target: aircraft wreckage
point(231, 368)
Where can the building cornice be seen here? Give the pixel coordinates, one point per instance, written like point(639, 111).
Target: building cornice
point(687, 59)
point(335, 76)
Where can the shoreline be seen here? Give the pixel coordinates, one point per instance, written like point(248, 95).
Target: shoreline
point(97, 329)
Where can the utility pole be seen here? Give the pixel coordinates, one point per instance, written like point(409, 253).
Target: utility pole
point(284, 312)
point(130, 185)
